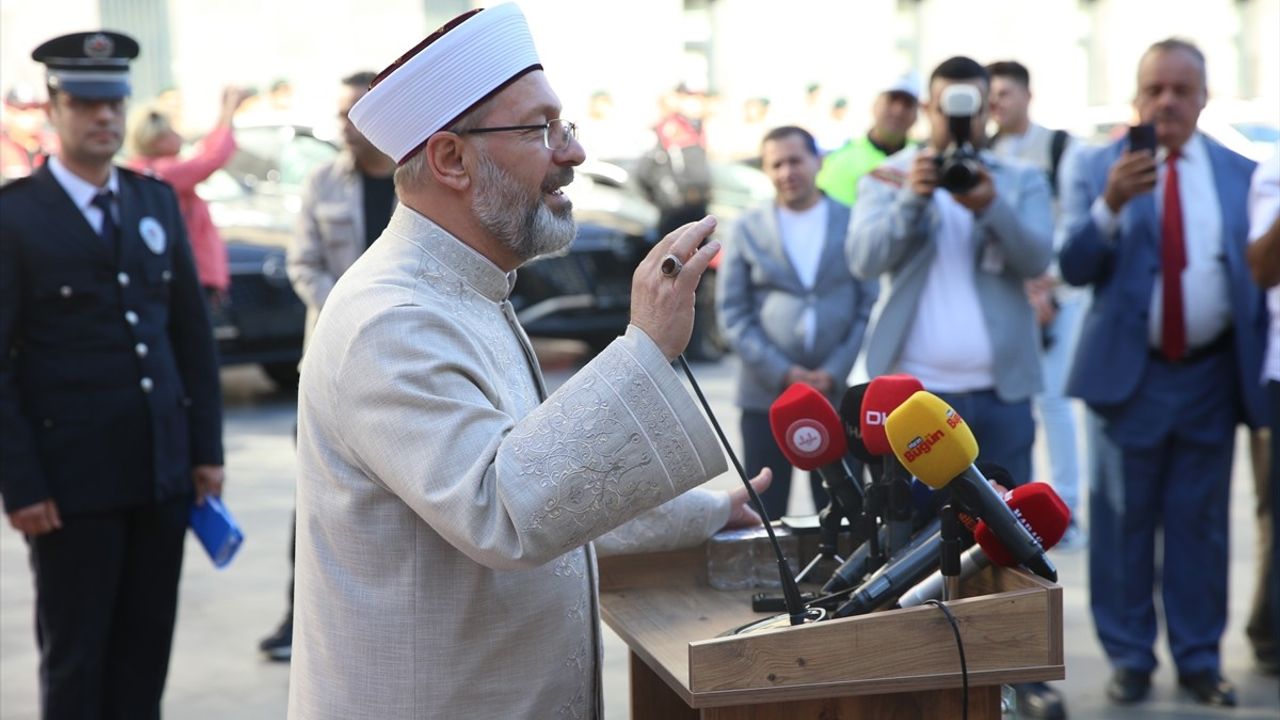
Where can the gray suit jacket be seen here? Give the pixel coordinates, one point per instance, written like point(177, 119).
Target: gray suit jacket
point(330, 233)
point(893, 231)
point(761, 301)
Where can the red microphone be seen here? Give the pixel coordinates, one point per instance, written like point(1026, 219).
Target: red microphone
point(807, 428)
point(808, 431)
point(891, 497)
point(1036, 506)
point(884, 395)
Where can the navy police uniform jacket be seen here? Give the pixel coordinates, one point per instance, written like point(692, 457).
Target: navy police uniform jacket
point(109, 388)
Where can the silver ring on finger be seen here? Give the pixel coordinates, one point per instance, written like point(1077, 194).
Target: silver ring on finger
point(671, 265)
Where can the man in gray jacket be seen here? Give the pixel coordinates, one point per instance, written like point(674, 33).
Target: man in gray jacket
point(789, 306)
point(345, 206)
point(957, 317)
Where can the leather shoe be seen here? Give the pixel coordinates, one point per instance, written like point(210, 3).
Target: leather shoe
point(1128, 686)
point(1038, 700)
point(1209, 688)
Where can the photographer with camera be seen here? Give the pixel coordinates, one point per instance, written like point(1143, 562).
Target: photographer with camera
point(959, 232)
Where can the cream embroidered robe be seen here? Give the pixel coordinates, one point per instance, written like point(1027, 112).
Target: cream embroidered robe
point(446, 507)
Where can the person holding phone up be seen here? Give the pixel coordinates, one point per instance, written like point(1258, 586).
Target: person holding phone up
point(1168, 363)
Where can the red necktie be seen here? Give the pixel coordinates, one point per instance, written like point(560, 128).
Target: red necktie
point(1173, 259)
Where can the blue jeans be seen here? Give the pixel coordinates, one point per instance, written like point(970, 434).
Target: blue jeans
point(1056, 410)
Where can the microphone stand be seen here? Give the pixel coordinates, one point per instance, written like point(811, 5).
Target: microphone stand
point(829, 523)
point(790, 589)
point(897, 491)
point(949, 553)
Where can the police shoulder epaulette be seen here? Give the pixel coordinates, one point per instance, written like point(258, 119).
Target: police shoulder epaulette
point(889, 176)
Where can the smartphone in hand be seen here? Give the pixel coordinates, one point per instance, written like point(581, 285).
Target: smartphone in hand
point(1142, 137)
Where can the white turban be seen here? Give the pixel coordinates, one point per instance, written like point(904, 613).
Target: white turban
point(442, 78)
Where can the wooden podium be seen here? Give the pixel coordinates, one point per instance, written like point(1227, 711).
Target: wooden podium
point(883, 666)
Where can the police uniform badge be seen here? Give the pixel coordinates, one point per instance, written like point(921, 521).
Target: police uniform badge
point(153, 234)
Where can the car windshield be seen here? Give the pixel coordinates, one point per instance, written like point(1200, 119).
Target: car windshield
point(280, 155)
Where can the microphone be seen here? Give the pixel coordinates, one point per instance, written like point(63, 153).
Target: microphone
point(1036, 506)
point(884, 395)
point(1039, 509)
point(808, 431)
point(935, 444)
point(915, 561)
point(797, 613)
point(865, 558)
point(851, 418)
point(929, 501)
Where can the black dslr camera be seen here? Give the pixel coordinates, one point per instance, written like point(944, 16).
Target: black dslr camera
point(958, 166)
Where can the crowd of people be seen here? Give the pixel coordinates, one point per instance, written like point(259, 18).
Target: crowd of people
point(1009, 272)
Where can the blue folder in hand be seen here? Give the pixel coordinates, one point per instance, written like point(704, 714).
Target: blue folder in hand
point(217, 530)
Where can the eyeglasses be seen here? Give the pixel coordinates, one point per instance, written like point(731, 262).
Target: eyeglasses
point(556, 134)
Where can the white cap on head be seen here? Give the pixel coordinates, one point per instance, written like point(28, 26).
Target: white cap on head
point(908, 83)
point(442, 78)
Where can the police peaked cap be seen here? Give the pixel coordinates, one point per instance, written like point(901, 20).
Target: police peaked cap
point(92, 65)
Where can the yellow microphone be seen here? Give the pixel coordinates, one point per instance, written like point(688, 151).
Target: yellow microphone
point(933, 442)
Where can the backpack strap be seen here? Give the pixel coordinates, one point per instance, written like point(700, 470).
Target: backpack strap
point(1056, 147)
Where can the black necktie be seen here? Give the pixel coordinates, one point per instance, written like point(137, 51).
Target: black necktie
point(109, 234)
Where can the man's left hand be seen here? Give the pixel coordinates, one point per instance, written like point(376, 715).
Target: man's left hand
point(741, 514)
point(980, 196)
point(208, 480)
point(822, 381)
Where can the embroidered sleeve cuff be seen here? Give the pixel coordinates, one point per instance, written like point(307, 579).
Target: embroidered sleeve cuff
point(683, 522)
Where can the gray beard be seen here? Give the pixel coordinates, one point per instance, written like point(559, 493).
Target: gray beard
point(523, 224)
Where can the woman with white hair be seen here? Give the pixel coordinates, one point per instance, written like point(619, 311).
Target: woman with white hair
point(154, 147)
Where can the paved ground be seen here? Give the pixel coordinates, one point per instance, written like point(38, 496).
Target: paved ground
point(217, 674)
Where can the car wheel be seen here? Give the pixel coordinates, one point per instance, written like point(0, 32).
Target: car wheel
point(283, 374)
point(707, 342)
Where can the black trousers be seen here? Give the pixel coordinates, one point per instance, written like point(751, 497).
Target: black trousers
point(106, 600)
point(759, 450)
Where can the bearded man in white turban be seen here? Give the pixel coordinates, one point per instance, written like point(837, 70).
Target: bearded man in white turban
point(447, 506)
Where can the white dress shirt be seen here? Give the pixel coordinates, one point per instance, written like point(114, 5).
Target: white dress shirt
point(1206, 304)
point(82, 192)
point(1264, 208)
point(948, 347)
point(804, 234)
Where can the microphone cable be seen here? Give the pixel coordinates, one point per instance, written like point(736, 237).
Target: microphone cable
point(790, 590)
point(964, 668)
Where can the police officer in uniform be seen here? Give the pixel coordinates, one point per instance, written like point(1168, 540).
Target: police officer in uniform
point(109, 396)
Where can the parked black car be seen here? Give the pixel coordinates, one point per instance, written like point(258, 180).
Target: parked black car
point(254, 202)
point(583, 293)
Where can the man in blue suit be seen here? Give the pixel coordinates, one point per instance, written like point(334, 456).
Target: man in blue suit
point(1168, 363)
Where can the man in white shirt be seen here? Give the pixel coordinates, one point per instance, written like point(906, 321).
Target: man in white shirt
point(957, 317)
point(789, 306)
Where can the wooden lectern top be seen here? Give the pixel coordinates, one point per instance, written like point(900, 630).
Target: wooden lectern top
point(663, 608)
